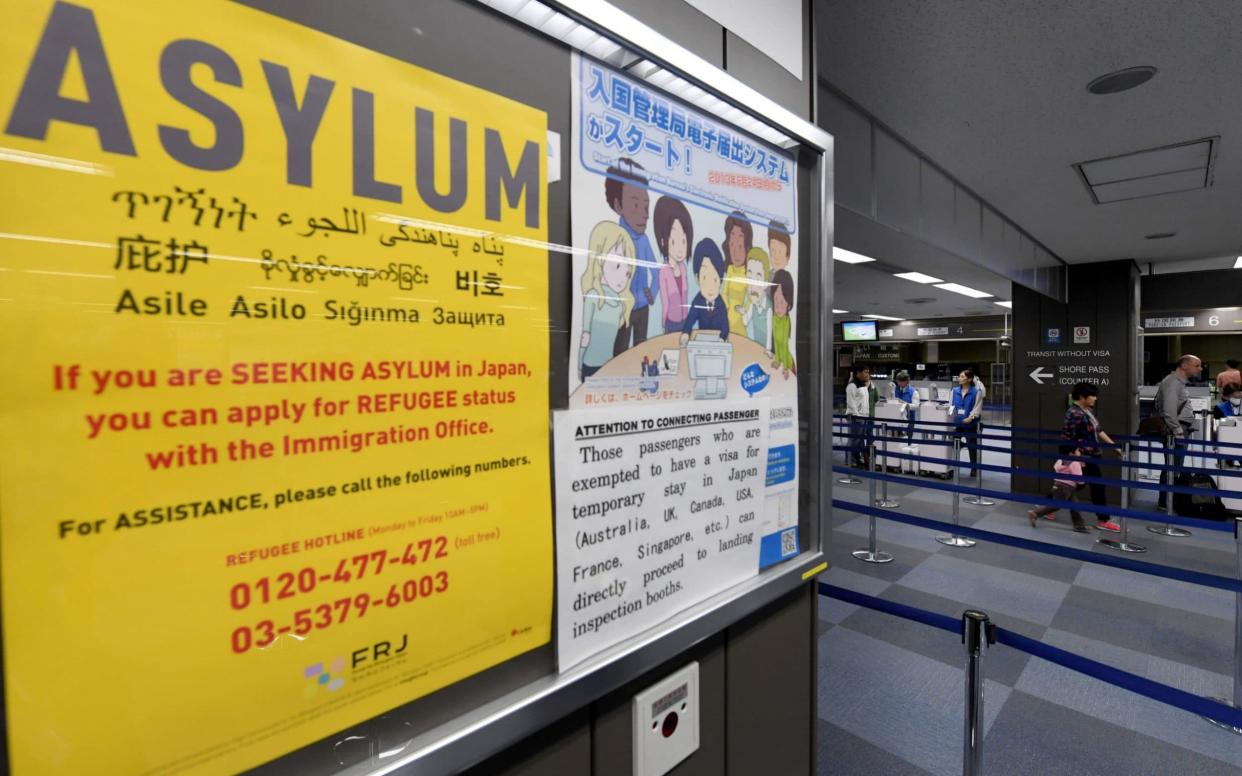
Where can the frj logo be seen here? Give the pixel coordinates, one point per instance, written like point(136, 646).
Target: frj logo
point(327, 676)
point(379, 651)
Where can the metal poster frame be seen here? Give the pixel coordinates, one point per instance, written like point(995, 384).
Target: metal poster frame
point(502, 722)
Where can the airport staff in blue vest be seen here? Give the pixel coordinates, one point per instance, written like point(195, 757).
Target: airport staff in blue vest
point(1231, 402)
point(966, 406)
point(904, 393)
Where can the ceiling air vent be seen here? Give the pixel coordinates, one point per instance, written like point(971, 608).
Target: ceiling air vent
point(1166, 170)
point(920, 300)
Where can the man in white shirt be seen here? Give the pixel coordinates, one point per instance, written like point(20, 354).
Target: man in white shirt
point(860, 399)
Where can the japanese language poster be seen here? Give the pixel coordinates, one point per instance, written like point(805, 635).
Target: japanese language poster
point(685, 240)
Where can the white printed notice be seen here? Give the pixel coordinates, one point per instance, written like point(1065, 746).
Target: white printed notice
point(657, 508)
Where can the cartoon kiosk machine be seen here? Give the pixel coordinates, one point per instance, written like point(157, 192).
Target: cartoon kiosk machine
point(710, 362)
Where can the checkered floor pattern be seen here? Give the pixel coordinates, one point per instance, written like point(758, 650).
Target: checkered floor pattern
point(891, 691)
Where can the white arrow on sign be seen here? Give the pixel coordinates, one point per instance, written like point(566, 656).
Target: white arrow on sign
point(1039, 375)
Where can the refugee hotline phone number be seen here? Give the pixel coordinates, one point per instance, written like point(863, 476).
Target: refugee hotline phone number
point(265, 590)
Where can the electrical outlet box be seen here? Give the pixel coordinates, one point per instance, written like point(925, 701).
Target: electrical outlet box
point(666, 722)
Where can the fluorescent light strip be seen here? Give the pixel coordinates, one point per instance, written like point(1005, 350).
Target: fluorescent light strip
point(917, 277)
point(963, 290)
point(1238, 264)
point(1004, 304)
point(883, 318)
point(840, 312)
point(849, 257)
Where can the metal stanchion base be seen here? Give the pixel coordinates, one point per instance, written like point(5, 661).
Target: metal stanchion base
point(1116, 544)
point(1169, 530)
point(956, 541)
point(867, 556)
point(887, 503)
point(849, 480)
point(1224, 725)
point(979, 501)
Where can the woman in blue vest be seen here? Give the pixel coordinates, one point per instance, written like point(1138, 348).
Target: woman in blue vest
point(904, 393)
point(1231, 402)
point(965, 410)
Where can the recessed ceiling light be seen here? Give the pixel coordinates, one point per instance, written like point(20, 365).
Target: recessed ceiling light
point(1122, 80)
point(917, 277)
point(849, 257)
point(1159, 236)
point(839, 312)
point(882, 317)
point(963, 290)
point(1004, 304)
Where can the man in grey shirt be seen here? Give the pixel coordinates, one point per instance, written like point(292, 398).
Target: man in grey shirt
point(1172, 403)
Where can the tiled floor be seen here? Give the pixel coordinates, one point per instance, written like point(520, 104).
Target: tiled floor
point(891, 691)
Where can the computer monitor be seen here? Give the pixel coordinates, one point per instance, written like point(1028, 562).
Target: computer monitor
point(858, 331)
point(710, 363)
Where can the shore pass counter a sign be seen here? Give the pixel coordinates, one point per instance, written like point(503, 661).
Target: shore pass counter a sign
point(276, 398)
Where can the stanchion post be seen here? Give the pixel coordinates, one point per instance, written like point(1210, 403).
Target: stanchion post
point(1124, 544)
point(953, 540)
point(979, 500)
point(1204, 461)
point(871, 554)
point(1237, 638)
point(977, 634)
point(884, 502)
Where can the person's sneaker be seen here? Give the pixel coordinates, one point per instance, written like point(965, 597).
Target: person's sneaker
point(1081, 529)
point(1031, 516)
point(1109, 526)
point(1052, 517)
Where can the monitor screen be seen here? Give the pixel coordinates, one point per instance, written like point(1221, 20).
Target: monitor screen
point(710, 365)
point(858, 331)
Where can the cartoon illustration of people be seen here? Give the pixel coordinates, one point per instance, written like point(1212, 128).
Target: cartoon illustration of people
point(625, 188)
point(674, 235)
point(778, 245)
point(739, 239)
point(782, 292)
point(708, 310)
point(757, 308)
point(607, 296)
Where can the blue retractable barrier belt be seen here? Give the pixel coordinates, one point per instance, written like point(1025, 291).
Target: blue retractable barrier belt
point(1115, 561)
point(1161, 693)
point(1044, 474)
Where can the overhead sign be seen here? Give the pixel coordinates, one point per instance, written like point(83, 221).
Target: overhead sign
point(1213, 320)
point(1082, 335)
point(276, 387)
point(1170, 322)
point(1068, 366)
point(933, 331)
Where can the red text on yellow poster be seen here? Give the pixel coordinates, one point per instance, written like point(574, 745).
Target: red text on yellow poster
point(273, 311)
